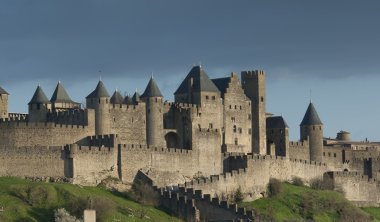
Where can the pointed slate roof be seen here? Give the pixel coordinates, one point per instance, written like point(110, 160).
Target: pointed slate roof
point(136, 97)
point(116, 98)
point(39, 97)
point(275, 122)
point(128, 100)
point(2, 91)
point(100, 91)
point(60, 95)
point(151, 90)
point(201, 82)
point(311, 117)
point(221, 83)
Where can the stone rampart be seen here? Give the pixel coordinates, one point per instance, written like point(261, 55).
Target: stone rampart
point(18, 134)
point(358, 188)
point(35, 161)
point(254, 179)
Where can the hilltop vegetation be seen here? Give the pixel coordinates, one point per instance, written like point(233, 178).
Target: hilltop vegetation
point(25, 201)
point(300, 203)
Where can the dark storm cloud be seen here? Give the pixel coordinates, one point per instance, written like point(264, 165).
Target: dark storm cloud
point(73, 40)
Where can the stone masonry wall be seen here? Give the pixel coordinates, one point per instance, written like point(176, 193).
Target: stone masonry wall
point(129, 122)
point(18, 134)
point(254, 179)
point(34, 162)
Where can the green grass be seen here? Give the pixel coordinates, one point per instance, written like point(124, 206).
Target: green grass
point(299, 203)
point(25, 201)
point(374, 212)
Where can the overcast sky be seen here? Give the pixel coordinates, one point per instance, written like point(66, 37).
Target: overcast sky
point(329, 47)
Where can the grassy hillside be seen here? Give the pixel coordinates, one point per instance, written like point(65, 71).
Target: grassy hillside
point(25, 201)
point(300, 203)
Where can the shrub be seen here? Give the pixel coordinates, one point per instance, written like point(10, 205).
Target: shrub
point(322, 184)
point(61, 215)
point(144, 194)
point(238, 196)
point(274, 187)
point(297, 181)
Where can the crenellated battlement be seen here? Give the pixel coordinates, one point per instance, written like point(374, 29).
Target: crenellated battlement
point(75, 149)
point(191, 197)
point(253, 73)
point(21, 124)
point(109, 140)
point(139, 147)
point(298, 144)
point(126, 107)
point(352, 174)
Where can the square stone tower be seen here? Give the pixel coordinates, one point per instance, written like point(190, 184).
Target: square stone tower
point(3, 103)
point(253, 83)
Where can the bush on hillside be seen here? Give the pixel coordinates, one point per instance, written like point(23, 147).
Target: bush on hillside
point(322, 184)
point(238, 196)
point(145, 194)
point(61, 215)
point(274, 187)
point(297, 181)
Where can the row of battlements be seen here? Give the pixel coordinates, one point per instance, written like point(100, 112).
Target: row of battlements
point(299, 144)
point(214, 178)
point(352, 174)
point(190, 196)
point(22, 124)
point(76, 149)
point(208, 130)
point(154, 149)
point(108, 140)
point(253, 73)
point(127, 107)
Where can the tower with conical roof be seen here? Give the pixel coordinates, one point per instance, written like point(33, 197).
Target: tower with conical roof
point(3, 103)
point(154, 117)
point(117, 98)
point(61, 99)
point(312, 130)
point(253, 83)
point(99, 100)
point(39, 106)
point(197, 88)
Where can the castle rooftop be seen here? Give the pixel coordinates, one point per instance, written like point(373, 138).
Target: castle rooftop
point(221, 84)
point(2, 91)
point(39, 97)
point(200, 82)
point(100, 91)
point(116, 98)
point(152, 89)
point(311, 117)
point(128, 100)
point(136, 97)
point(60, 95)
point(276, 122)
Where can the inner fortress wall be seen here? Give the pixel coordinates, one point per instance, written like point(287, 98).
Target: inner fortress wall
point(35, 161)
point(129, 122)
point(299, 150)
point(205, 158)
point(18, 134)
point(254, 179)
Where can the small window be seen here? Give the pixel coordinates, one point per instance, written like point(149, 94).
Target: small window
point(324, 154)
point(329, 154)
point(230, 107)
point(234, 128)
point(240, 130)
point(233, 119)
point(236, 141)
point(213, 97)
point(240, 107)
point(335, 155)
point(210, 126)
point(249, 131)
point(262, 99)
point(235, 107)
point(249, 116)
point(38, 106)
point(206, 97)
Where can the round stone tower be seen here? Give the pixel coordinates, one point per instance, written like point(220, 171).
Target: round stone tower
point(99, 100)
point(154, 117)
point(39, 106)
point(312, 130)
point(343, 135)
point(3, 103)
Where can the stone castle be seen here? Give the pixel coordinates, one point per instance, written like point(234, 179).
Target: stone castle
point(215, 137)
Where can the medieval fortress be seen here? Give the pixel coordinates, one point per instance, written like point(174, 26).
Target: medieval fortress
point(215, 137)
